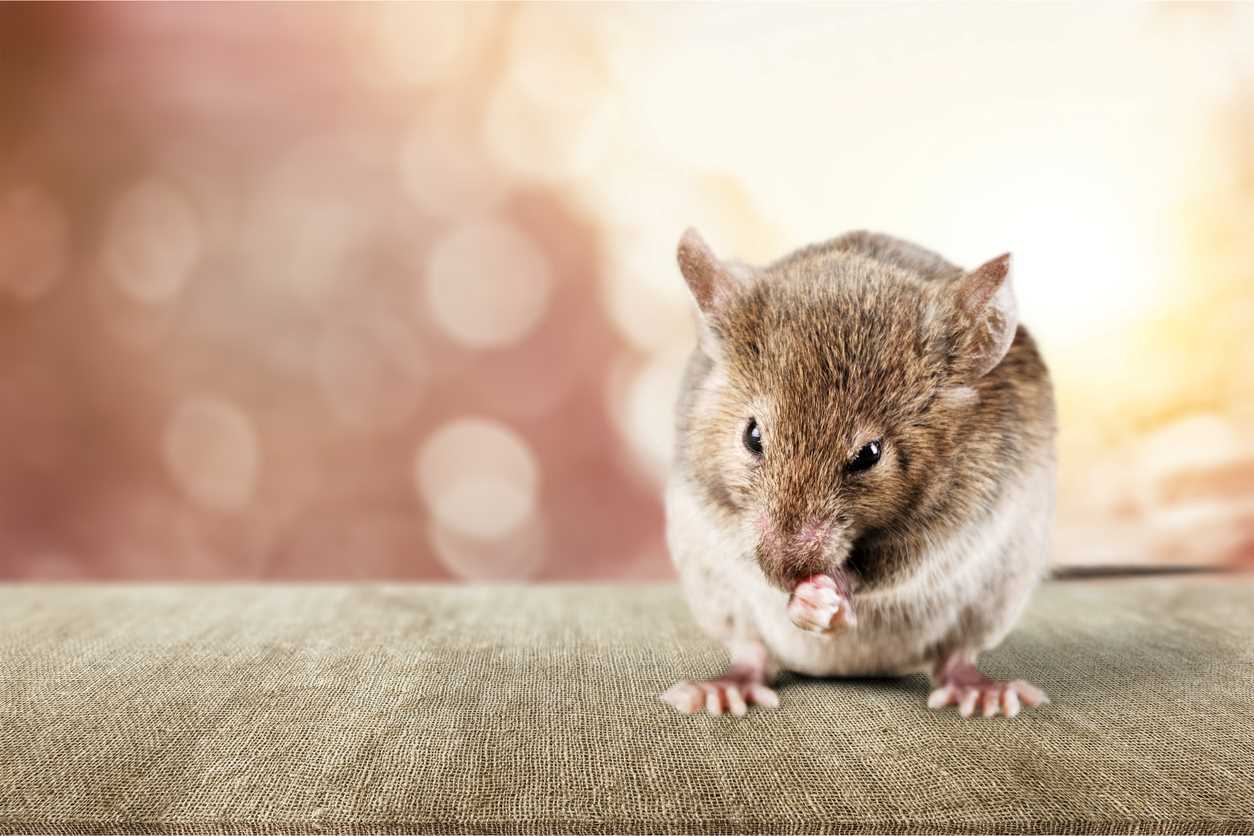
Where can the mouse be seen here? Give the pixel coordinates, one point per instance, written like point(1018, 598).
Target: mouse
point(863, 477)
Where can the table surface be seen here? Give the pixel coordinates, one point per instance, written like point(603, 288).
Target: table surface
point(394, 708)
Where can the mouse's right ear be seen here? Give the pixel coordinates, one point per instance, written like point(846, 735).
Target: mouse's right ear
point(709, 279)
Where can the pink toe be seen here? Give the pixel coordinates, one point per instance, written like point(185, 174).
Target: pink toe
point(684, 696)
point(989, 703)
point(736, 701)
point(764, 696)
point(713, 700)
point(967, 706)
point(1010, 703)
point(1030, 694)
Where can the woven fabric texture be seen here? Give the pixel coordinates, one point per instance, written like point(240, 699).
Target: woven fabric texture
point(311, 709)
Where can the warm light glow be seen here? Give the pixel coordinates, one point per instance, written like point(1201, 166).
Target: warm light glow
point(424, 43)
point(1087, 261)
point(292, 294)
point(554, 115)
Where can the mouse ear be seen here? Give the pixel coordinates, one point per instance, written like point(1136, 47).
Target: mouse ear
point(987, 316)
point(708, 278)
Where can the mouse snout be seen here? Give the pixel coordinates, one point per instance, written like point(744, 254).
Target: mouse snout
point(790, 553)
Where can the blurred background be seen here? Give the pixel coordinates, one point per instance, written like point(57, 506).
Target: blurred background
point(388, 291)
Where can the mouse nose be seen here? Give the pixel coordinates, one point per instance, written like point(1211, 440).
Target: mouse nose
point(812, 535)
point(795, 536)
point(789, 553)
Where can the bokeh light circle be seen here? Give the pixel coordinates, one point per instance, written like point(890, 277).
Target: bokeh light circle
point(487, 285)
point(518, 557)
point(478, 478)
point(304, 223)
point(642, 401)
point(152, 242)
point(212, 451)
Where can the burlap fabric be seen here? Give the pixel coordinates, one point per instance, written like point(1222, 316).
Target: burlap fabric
point(441, 709)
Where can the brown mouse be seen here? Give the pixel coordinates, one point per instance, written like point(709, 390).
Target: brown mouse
point(864, 476)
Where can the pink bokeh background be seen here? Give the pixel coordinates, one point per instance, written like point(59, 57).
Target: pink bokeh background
point(387, 291)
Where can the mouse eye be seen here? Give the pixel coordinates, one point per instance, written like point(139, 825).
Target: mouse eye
point(753, 437)
point(866, 458)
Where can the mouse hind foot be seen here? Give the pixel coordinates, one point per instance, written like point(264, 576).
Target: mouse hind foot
point(746, 682)
point(960, 683)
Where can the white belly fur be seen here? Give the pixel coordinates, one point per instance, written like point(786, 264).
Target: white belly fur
point(990, 567)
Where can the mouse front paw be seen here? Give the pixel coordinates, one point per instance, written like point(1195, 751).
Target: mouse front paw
point(818, 605)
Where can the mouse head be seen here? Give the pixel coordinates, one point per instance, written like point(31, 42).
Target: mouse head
point(836, 386)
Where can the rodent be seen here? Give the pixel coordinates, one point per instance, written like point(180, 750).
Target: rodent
point(864, 473)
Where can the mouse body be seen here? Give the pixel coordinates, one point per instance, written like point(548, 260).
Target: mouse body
point(863, 482)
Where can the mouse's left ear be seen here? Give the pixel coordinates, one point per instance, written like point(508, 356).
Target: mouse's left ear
point(986, 316)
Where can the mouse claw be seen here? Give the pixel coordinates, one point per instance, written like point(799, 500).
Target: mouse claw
point(818, 606)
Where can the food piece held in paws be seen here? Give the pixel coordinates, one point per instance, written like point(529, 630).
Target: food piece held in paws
point(819, 605)
point(864, 466)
